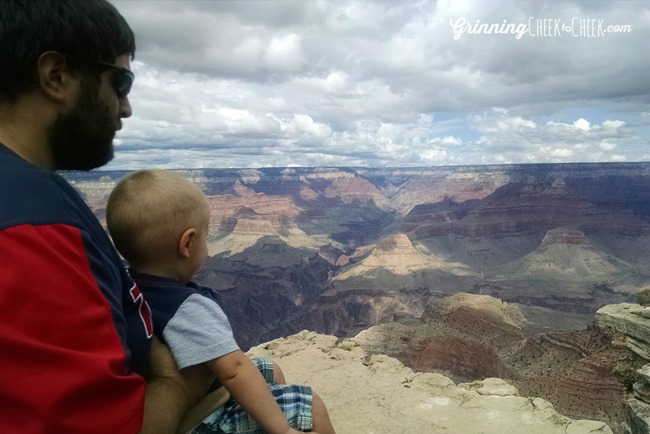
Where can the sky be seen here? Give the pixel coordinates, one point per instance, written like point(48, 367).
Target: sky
point(385, 83)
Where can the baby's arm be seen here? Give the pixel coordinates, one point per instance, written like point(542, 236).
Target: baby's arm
point(246, 385)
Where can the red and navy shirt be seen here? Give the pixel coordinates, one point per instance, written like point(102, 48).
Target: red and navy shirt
point(74, 328)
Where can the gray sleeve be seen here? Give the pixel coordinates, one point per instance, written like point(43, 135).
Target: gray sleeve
point(198, 332)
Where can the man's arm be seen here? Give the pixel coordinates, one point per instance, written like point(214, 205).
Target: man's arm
point(247, 386)
point(170, 393)
point(63, 364)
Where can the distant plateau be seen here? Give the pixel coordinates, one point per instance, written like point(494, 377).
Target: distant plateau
point(502, 266)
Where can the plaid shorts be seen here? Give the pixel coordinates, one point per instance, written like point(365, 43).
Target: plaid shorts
point(295, 402)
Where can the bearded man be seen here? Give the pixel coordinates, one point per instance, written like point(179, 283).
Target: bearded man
point(78, 354)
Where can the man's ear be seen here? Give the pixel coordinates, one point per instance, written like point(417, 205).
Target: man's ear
point(54, 75)
point(185, 242)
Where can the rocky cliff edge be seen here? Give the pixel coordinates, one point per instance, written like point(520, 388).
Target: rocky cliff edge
point(633, 321)
point(378, 395)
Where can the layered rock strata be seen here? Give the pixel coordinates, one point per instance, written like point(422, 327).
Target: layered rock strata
point(473, 337)
point(377, 394)
point(633, 321)
point(390, 239)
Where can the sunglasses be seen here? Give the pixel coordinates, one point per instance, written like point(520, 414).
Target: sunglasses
point(121, 81)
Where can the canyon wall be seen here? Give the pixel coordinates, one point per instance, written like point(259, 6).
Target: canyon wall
point(633, 321)
point(340, 250)
point(337, 250)
point(367, 393)
point(471, 337)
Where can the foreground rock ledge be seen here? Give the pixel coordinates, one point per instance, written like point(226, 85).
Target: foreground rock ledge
point(378, 395)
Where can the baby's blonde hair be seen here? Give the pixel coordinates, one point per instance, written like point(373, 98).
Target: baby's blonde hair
point(148, 211)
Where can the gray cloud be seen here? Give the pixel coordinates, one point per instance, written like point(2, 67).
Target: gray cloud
point(381, 83)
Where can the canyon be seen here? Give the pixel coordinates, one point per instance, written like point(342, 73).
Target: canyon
point(377, 394)
point(471, 271)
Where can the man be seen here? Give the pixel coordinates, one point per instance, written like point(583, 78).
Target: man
point(75, 332)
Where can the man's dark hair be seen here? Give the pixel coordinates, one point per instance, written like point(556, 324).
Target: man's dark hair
point(90, 30)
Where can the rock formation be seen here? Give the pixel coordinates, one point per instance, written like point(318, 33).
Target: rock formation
point(397, 254)
point(568, 255)
point(377, 394)
point(633, 321)
point(560, 241)
point(473, 337)
point(338, 250)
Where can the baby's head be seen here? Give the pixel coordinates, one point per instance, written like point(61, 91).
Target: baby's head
point(159, 222)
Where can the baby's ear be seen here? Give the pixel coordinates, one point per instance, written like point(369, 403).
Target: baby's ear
point(185, 242)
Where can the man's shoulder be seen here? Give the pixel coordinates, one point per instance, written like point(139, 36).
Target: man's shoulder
point(34, 195)
point(16, 171)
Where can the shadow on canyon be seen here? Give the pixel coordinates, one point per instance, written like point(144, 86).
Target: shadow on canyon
point(340, 250)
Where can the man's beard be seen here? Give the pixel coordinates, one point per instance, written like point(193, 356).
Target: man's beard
point(83, 138)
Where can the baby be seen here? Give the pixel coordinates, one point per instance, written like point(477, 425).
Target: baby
point(159, 222)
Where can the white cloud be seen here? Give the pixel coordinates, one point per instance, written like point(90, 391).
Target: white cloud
point(582, 125)
point(561, 153)
point(284, 53)
point(450, 141)
point(381, 83)
point(607, 146)
point(613, 124)
point(434, 156)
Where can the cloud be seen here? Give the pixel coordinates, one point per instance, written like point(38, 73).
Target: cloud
point(613, 124)
point(607, 146)
point(382, 83)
